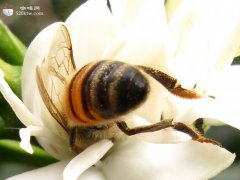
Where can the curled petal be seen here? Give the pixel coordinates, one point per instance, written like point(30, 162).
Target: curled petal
point(86, 159)
point(141, 160)
point(25, 116)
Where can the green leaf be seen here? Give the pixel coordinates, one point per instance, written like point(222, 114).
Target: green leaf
point(236, 61)
point(10, 150)
point(12, 75)
point(2, 124)
point(11, 49)
point(9, 123)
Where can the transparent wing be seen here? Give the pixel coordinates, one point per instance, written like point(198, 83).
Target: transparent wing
point(54, 73)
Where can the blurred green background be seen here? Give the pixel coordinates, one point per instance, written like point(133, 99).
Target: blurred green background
point(12, 159)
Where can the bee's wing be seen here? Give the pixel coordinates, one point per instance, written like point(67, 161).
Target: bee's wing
point(54, 72)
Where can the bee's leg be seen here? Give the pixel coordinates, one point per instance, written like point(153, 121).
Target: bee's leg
point(171, 84)
point(194, 133)
point(122, 125)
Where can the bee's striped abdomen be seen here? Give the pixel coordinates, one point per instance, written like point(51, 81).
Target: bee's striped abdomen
point(104, 90)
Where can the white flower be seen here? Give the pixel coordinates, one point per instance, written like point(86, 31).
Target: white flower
point(196, 44)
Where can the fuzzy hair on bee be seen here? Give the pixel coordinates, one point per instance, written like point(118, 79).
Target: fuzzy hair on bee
point(88, 102)
point(105, 90)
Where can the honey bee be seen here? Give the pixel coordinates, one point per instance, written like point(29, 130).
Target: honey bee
point(88, 102)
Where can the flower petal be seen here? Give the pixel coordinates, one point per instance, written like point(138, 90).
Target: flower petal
point(151, 110)
point(203, 108)
point(141, 160)
point(92, 173)
point(171, 6)
point(53, 171)
point(57, 148)
point(238, 52)
point(226, 106)
point(139, 16)
point(25, 116)
point(86, 159)
point(225, 85)
point(91, 29)
point(57, 143)
point(141, 26)
point(200, 50)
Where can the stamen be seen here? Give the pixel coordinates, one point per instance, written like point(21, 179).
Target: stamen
point(37, 131)
point(25, 136)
